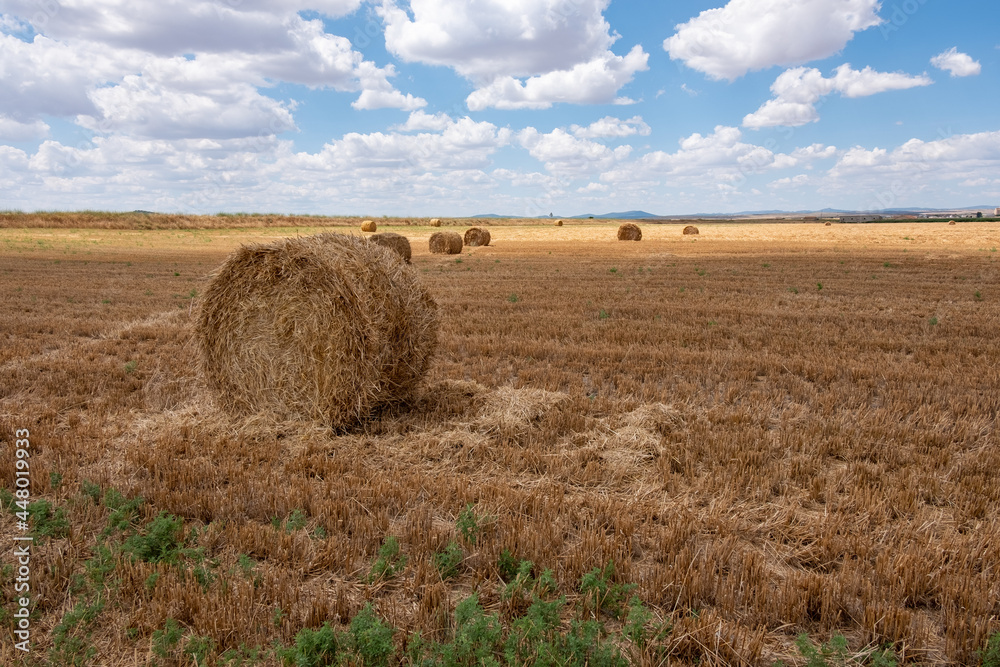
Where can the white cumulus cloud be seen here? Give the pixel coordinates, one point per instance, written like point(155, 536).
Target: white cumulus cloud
point(789, 182)
point(417, 171)
point(797, 91)
point(143, 107)
point(956, 63)
point(593, 82)
point(170, 27)
point(704, 160)
point(592, 188)
point(813, 152)
point(193, 68)
point(48, 77)
point(566, 155)
point(892, 177)
point(486, 39)
point(463, 144)
point(378, 93)
point(527, 54)
point(747, 35)
point(12, 129)
point(612, 127)
point(421, 120)
point(964, 154)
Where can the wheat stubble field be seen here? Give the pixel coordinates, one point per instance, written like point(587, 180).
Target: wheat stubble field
point(705, 446)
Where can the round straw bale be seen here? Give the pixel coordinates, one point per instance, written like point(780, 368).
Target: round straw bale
point(326, 328)
point(828, 224)
point(690, 229)
point(445, 243)
point(476, 236)
point(558, 223)
point(434, 222)
point(951, 222)
point(368, 226)
point(395, 242)
point(629, 232)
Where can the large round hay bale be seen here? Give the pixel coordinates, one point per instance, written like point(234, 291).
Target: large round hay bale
point(558, 223)
point(445, 243)
point(828, 224)
point(629, 232)
point(327, 328)
point(690, 229)
point(368, 226)
point(476, 236)
point(951, 222)
point(398, 243)
point(434, 222)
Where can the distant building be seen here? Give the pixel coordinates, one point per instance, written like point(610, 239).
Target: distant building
point(945, 215)
point(996, 213)
point(860, 218)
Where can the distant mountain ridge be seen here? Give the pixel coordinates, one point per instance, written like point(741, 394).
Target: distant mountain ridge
point(623, 215)
point(645, 215)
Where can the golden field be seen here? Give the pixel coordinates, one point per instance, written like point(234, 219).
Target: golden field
point(770, 429)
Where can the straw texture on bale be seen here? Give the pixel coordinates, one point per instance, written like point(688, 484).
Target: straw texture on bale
point(476, 236)
point(398, 243)
point(434, 222)
point(445, 243)
point(690, 229)
point(629, 232)
point(368, 226)
point(326, 328)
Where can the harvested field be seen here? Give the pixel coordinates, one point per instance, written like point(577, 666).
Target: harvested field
point(768, 429)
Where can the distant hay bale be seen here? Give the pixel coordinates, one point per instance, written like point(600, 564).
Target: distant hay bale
point(368, 226)
point(951, 222)
point(476, 236)
point(629, 232)
point(434, 222)
point(326, 328)
point(395, 242)
point(445, 243)
point(828, 224)
point(558, 223)
point(690, 229)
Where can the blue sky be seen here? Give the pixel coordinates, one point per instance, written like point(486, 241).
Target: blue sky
point(518, 107)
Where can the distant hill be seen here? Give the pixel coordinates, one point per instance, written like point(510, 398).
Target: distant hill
point(646, 215)
point(624, 215)
point(823, 212)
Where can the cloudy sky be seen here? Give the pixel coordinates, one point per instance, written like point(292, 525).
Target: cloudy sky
point(517, 107)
